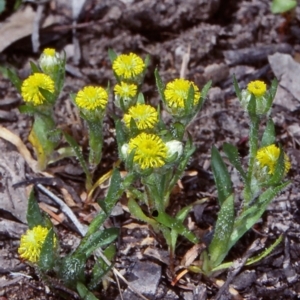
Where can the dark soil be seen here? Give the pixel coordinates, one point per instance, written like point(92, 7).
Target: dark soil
point(222, 38)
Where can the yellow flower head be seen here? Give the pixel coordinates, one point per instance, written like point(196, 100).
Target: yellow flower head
point(125, 90)
point(257, 88)
point(150, 150)
point(32, 242)
point(176, 93)
point(145, 116)
point(91, 98)
point(268, 157)
point(128, 66)
point(30, 88)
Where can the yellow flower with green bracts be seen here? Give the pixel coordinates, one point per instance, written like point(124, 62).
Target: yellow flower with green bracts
point(150, 150)
point(49, 61)
point(257, 88)
point(128, 66)
point(32, 242)
point(145, 116)
point(268, 157)
point(30, 89)
point(92, 98)
point(125, 90)
point(176, 93)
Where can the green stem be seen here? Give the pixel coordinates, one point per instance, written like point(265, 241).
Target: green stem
point(253, 143)
point(95, 143)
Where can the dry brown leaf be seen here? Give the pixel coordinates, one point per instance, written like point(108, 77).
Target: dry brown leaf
point(192, 254)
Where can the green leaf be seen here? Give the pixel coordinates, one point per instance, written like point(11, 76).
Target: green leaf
point(269, 134)
point(112, 55)
point(282, 6)
point(160, 85)
point(101, 268)
point(174, 224)
point(50, 98)
point(15, 80)
point(221, 175)
point(251, 108)
point(34, 68)
point(204, 93)
point(266, 252)
point(249, 217)
point(137, 212)
point(96, 240)
point(115, 191)
point(237, 88)
point(47, 256)
point(76, 148)
point(84, 293)
point(271, 94)
point(71, 269)
point(141, 98)
point(27, 109)
point(218, 248)
point(233, 156)
point(2, 6)
point(34, 216)
point(189, 103)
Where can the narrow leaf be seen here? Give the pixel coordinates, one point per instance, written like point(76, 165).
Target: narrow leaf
point(46, 260)
point(269, 134)
point(160, 85)
point(218, 248)
point(34, 216)
point(237, 88)
point(176, 225)
point(15, 80)
point(221, 175)
point(84, 293)
point(233, 156)
point(112, 55)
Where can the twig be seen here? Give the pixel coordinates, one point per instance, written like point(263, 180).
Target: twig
point(65, 209)
point(35, 36)
point(185, 61)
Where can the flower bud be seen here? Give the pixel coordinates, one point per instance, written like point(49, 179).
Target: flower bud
point(124, 151)
point(173, 147)
point(49, 61)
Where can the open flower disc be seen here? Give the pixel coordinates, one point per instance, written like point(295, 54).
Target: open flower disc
point(32, 242)
point(125, 90)
point(145, 116)
point(30, 88)
point(176, 93)
point(128, 66)
point(257, 88)
point(268, 157)
point(150, 150)
point(91, 98)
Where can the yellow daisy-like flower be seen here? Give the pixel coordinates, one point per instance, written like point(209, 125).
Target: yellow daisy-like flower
point(49, 52)
point(91, 98)
point(145, 116)
point(125, 90)
point(30, 88)
point(150, 150)
point(176, 93)
point(257, 88)
point(32, 242)
point(268, 157)
point(128, 66)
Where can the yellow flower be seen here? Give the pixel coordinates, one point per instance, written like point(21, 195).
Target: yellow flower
point(32, 242)
point(49, 52)
point(91, 98)
point(30, 88)
point(128, 66)
point(257, 88)
point(176, 93)
point(125, 90)
point(150, 150)
point(268, 157)
point(145, 116)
